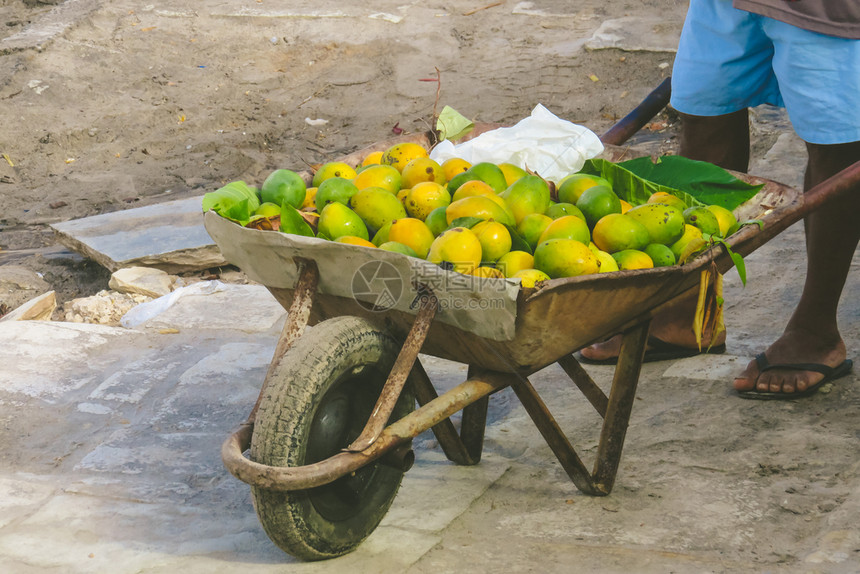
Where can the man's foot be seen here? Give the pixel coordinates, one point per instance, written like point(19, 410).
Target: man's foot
point(656, 349)
point(792, 347)
point(669, 330)
point(603, 351)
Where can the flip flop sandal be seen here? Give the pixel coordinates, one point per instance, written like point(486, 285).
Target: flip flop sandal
point(658, 350)
point(830, 374)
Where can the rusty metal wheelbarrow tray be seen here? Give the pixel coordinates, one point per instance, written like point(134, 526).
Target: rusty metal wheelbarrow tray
point(505, 328)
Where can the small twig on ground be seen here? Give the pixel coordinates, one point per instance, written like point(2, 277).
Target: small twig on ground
point(309, 98)
point(493, 5)
point(438, 93)
point(623, 155)
point(438, 80)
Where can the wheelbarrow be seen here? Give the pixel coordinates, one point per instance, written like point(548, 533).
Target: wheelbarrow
point(330, 434)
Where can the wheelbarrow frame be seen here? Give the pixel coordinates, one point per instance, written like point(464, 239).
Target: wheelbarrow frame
point(471, 397)
point(463, 447)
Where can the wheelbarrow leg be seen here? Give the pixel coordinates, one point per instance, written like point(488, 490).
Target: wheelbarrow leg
point(586, 384)
point(474, 423)
point(464, 448)
point(615, 410)
point(621, 397)
point(554, 436)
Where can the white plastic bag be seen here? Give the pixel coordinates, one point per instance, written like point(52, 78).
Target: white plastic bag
point(542, 142)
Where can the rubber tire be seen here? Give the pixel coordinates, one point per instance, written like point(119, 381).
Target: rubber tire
point(324, 361)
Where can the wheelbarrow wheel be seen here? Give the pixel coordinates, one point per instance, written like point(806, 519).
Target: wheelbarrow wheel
point(318, 400)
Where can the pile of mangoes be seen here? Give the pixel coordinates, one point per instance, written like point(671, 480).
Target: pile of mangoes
point(489, 220)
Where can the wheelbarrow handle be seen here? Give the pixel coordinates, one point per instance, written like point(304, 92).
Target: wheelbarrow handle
point(750, 238)
point(641, 115)
point(836, 186)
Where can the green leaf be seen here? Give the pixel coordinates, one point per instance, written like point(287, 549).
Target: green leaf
point(629, 186)
point(740, 266)
point(705, 182)
point(292, 221)
point(737, 259)
point(468, 222)
point(452, 125)
point(235, 201)
point(758, 222)
point(517, 241)
point(240, 212)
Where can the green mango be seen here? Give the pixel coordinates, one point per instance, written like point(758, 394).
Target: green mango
point(334, 189)
point(490, 174)
point(284, 185)
point(337, 220)
point(529, 194)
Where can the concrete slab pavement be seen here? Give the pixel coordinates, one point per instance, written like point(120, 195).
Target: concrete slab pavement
point(168, 235)
point(112, 436)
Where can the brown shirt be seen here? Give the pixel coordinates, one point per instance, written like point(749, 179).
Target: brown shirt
point(839, 18)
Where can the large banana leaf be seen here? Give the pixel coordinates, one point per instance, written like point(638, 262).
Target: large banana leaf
point(696, 182)
point(629, 186)
point(706, 182)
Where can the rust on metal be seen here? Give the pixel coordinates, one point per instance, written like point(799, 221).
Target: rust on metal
point(401, 457)
point(399, 373)
point(297, 319)
point(332, 468)
point(462, 447)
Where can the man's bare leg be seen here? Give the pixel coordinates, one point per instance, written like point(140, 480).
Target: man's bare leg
point(721, 140)
point(832, 235)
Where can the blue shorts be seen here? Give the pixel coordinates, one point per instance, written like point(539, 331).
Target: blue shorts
point(729, 59)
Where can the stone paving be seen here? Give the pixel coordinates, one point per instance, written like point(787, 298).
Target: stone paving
point(111, 445)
